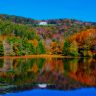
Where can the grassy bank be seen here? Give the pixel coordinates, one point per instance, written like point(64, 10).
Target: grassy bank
point(41, 56)
point(37, 56)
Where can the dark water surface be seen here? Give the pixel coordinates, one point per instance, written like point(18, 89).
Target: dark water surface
point(54, 74)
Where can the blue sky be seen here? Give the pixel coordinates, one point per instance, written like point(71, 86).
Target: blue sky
point(50, 9)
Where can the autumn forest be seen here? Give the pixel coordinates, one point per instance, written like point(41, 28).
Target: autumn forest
point(21, 36)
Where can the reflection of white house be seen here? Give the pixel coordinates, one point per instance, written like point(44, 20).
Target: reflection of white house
point(43, 23)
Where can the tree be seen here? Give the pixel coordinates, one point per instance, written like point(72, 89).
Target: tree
point(66, 47)
point(35, 43)
point(40, 48)
point(1, 49)
point(53, 46)
point(74, 49)
point(30, 49)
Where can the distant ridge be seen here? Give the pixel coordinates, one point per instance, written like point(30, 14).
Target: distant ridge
point(24, 20)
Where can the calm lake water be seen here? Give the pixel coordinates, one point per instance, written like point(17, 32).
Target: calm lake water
point(51, 76)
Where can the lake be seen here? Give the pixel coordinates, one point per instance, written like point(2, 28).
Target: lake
point(48, 77)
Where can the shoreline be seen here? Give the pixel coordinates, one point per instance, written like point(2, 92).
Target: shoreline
point(41, 56)
point(35, 56)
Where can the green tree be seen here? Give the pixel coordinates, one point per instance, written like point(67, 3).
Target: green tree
point(74, 48)
point(1, 49)
point(30, 49)
point(40, 48)
point(66, 47)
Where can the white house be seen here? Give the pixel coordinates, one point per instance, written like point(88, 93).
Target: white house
point(43, 23)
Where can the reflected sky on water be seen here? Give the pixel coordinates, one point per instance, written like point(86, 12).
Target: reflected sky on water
point(56, 73)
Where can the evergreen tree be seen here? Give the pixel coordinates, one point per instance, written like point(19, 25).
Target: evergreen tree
point(1, 49)
point(66, 47)
point(40, 48)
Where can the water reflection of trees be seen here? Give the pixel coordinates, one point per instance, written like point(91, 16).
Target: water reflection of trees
point(22, 71)
point(61, 72)
point(85, 71)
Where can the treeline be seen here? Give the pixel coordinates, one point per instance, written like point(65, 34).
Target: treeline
point(64, 37)
point(81, 44)
point(11, 29)
point(18, 19)
point(15, 40)
point(61, 27)
point(20, 47)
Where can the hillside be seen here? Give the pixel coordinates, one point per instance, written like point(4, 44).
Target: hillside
point(56, 28)
point(83, 43)
point(25, 33)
